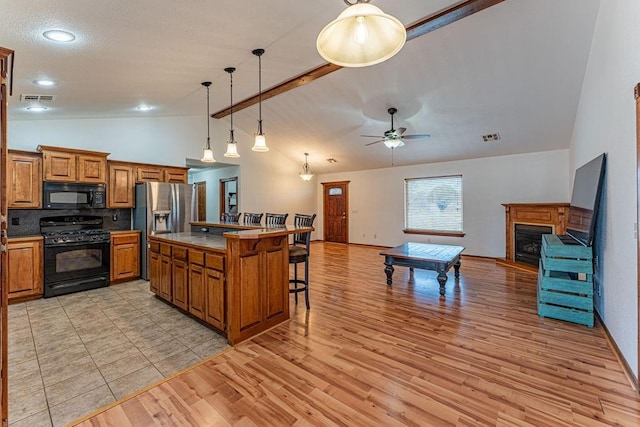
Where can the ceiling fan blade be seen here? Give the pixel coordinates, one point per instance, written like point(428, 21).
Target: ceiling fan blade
point(374, 142)
point(400, 131)
point(371, 136)
point(417, 136)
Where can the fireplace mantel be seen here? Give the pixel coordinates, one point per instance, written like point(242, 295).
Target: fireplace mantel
point(549, 214)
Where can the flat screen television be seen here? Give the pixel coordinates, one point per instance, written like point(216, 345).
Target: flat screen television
point(585, 200)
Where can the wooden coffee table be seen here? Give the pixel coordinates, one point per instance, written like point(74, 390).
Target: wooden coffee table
point(425, 256)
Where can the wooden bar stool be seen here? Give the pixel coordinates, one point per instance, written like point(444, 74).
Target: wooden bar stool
point(272, 219)
point(252, 218)
point(230, 217)
point(299, 252)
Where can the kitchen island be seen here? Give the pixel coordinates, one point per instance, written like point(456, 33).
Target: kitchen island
point(232, 277)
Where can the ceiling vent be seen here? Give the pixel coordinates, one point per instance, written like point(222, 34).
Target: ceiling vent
point(43, 99)
point(332, 160)
point(491, 137)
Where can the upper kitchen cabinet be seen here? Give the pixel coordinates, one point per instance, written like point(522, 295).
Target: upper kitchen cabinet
point(155, 173)
point(121, 185)
point(148, 173)
point(71, 165)
point(176, 175)
point(25, 180)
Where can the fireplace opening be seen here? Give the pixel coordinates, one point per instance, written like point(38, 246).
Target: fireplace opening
point(528, 242)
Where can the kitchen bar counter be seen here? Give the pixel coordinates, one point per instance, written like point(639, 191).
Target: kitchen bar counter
point(237, 282)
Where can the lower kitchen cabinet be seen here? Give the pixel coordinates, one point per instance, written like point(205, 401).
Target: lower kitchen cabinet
point(154, 267)
point(214, 283)
point(165, 289)
point(25, 268)
point(125, 255)
point(179, 277)
point(197, 287)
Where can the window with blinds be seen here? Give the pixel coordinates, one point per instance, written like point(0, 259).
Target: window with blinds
point(433, 204)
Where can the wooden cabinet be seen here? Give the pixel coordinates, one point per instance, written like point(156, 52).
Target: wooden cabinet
point(154, 267)
point(25, 180)
point(125, 256)
point(148, 173)
point(197, 288)
point(71, 165)
point(215, 291)
point(121, 186)
point(179, 277)
point(25, 268)
point(164, 286)
point(175, 175)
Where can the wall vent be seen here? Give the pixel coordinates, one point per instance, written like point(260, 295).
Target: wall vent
point(45, 99)
point(491, 137)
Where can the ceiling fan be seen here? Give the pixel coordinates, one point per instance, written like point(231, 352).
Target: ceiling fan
point(393, 138)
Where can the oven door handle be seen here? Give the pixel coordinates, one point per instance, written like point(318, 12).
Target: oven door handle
point(67, 245)
point(91, 196)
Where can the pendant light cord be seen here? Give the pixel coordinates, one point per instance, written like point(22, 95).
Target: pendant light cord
point(230, 70)
point(208, 122)
point(260, 94)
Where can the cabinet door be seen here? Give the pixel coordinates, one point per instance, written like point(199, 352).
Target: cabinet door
point(178, 176)
point(197, 298)
point(25, 175)
point(214, 283)
point(165, 278)
point(25, 266)
point(179, 270)
point(125, 262)
point(92, 169)
point(121, 186)
point(59, 166)
point(148, 174)
point(154, 272)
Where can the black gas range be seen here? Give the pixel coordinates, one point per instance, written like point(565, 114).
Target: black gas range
point(76, 254)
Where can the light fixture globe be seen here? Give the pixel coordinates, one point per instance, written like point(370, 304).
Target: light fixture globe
point(306, 174)
point(360, 36)
point(232, 150)
point(393, 143)
point(207, 156)
point(260, 144)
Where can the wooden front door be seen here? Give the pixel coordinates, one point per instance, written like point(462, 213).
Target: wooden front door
point(201, 194)
point(6, 66)
point(336, 211)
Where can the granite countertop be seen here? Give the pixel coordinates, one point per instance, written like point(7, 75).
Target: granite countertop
point(203, 240)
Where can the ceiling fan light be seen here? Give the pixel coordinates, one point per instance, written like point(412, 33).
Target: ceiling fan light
point(260, 143)
point(232, 150)
point(207, 156)
point(360, 36)
point(393, 143)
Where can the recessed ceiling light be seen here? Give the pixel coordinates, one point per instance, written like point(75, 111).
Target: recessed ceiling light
point(45, 82)
point(144, 108)
point(59, 36)
point(36, 108)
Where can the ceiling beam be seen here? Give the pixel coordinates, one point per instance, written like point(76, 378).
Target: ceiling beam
point(420, 28)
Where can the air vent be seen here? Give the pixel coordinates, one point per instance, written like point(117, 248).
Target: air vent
point(45, 99)
point(332, 160)
point(491, 137)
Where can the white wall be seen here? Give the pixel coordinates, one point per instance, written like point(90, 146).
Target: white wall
point(606, 122)
point(212, 177)
point(376, 198)
point(268, 182)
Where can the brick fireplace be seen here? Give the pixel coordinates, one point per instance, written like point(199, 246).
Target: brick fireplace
point(531, 220)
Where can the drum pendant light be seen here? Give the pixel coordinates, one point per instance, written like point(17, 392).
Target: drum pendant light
point(361, 35)
point(207, 156)
point(260, 142)
point(232, 145)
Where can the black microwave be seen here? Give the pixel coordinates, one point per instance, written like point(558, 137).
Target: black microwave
point(70, 195)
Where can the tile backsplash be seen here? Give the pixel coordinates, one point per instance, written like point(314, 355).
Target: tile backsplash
point(26, 222)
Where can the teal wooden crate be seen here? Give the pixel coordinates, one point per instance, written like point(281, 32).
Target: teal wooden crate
point(553, 247)
point(581, 302)
point(570, 265)
point(561, 281)
point(566, 313)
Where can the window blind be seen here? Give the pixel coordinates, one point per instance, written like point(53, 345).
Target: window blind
point(434, 204)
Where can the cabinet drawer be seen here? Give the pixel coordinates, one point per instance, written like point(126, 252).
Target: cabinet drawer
point(155, 247)
point(121, 239)
point(215, 261)
point(165, 249)
point(179, 253)
point(196, 257)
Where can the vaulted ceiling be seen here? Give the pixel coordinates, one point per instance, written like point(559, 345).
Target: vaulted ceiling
point(515, 69)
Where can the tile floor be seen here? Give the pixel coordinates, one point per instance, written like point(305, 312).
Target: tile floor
point(73, 354)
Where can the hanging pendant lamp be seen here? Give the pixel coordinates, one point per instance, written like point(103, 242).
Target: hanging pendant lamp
point(232, 145)
point(361, 35)
point(260, 142)
point(306, 174)
point(207, 156)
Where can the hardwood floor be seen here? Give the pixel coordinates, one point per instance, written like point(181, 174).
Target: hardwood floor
point(368, 354)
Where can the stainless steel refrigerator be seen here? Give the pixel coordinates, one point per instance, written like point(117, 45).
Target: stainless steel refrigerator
point(161, 208)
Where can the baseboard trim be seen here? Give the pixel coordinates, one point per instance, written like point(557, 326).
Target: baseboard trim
point(633, 380)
